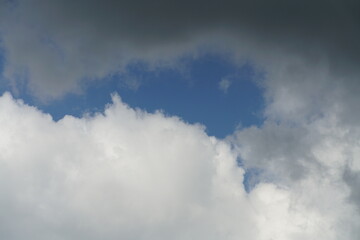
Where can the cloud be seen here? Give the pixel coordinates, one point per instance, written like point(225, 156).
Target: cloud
point(128, 174)
point(308, 141)
point(57, 45)
point(224, 85)
point(317, 163)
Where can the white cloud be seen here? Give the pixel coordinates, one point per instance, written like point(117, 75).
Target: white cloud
point(128, 174)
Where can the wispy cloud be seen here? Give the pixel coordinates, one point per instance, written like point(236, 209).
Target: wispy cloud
point(224, 85)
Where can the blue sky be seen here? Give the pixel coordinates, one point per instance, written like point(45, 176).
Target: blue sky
point(191, 92)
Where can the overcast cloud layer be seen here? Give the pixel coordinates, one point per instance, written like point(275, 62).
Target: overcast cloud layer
point(128, 174)
point(58, 44)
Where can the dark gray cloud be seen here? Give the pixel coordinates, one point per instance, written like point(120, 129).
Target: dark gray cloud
point(332, 23)
point(352, 178)
point(56, 43)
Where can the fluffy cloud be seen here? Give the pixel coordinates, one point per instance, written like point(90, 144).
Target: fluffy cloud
point(318, 164)
point(129, 174)
point(309, 145)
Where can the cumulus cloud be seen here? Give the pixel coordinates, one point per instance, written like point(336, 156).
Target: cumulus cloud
point(128, 174)
point(317, 162)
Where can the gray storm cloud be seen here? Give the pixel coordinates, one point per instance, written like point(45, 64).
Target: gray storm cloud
point(56, 45)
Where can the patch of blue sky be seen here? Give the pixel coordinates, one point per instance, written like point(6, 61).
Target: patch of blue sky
point(252, 177)
point(198, 96)
point(192, 92)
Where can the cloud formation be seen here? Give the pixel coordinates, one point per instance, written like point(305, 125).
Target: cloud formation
point(128, 174)
point(57, 45)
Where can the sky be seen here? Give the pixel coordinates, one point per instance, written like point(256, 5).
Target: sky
point(179, 120)
point(207, 100)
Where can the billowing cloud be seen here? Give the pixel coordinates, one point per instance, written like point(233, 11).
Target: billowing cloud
point(56, 45)
point(128, 174)
point(318, 162)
